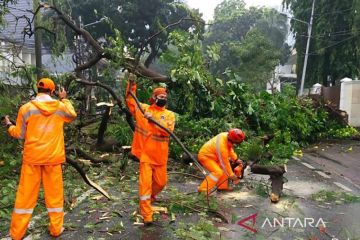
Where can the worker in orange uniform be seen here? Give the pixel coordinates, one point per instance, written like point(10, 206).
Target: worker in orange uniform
point(150, 145)
point(214, 155)
point(40, 123)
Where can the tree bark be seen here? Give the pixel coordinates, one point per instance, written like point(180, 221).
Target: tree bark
point(87, 180)
point(38, 55)
point(268, 170)
point(83, 154)
point(103, 126)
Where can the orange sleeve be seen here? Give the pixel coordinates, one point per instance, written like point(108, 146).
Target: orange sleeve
point(18, 131)
point(233, 155)
point(130, 101)
point(225, 155)
point(69, 111)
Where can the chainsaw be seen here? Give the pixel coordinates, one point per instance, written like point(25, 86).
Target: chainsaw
point(238, 170)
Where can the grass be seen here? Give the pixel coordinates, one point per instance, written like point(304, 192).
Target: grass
point(261, 190)
point(337, 197)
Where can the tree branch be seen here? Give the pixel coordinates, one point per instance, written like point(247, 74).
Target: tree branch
point(87, 180)
point(113, 94)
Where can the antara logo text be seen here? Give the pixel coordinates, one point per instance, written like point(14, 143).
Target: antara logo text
point(287, 222)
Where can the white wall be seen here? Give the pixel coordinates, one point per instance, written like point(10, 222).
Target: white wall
point(350, 100)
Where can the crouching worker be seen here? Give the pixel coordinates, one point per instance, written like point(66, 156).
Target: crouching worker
point(215, 154)
point(150, 145)
point(40, 123)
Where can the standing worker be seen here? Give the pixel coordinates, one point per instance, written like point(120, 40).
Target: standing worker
point(40, 123)
point(214, 155)
point(150, 145)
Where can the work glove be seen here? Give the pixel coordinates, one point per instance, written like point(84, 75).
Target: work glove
point(233, 177)
point(6, 121)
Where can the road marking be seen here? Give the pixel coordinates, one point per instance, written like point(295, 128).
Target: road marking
point(307, 165)
point(323, 174)
point(295, 158)
point(343, 186)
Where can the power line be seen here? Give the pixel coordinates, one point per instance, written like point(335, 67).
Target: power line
point(344, 40)
point(335, 12)
point(329, 35)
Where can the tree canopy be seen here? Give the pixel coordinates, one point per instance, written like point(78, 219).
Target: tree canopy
point(136, 20)
point(233, 27)
point(334, 45)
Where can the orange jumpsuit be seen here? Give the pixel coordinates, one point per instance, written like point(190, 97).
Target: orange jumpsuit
point(151, 146)
point(40, 122)
point(214, 155)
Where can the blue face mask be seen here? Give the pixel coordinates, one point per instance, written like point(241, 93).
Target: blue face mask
point(160, 102)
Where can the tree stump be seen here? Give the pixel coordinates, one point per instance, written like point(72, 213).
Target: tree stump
point(276, 176)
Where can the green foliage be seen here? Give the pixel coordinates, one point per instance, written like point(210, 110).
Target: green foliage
point(182, 203)
point(187, 70)
point(122, 132)
point(10, 99)
point(4, 9)
point(334, 45)
point(256, 56)
point(252, 150)
point(342, 133)
point(202, 230)
point(136, 20)
point(291, 122)
point(252, 41)
point(337, 197)
point(9, 154)
point(229, 9)
point(7, 193)
point(261, 189)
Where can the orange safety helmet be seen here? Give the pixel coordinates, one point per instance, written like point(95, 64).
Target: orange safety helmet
point(235, 135)
point(47, 84)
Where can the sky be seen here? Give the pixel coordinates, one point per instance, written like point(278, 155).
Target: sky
point(207, 7)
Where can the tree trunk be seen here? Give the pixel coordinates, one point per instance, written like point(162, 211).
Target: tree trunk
point(268, 170)
point(151, 57)
point(103, 126)
point(38, 59)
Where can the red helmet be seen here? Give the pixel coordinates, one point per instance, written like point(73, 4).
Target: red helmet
point(235, 135)
point(46, 83)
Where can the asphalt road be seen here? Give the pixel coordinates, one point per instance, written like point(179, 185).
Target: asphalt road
point(328, 168)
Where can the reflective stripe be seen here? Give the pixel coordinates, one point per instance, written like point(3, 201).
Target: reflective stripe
point(161, 136)
point(219, 154)
point(160, 140)
point(63, 114)
point(55, 210)
point(24, 119)
point(145, 197)
point(213, 177)
point(140, 129)
point(23, 211)
point(155, 137)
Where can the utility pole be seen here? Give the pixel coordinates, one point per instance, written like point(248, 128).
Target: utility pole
point(38, 53)
point(307, 50)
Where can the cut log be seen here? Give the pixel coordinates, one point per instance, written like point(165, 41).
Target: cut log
point(276, 176)
point(277, 183)
point(268, 170)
